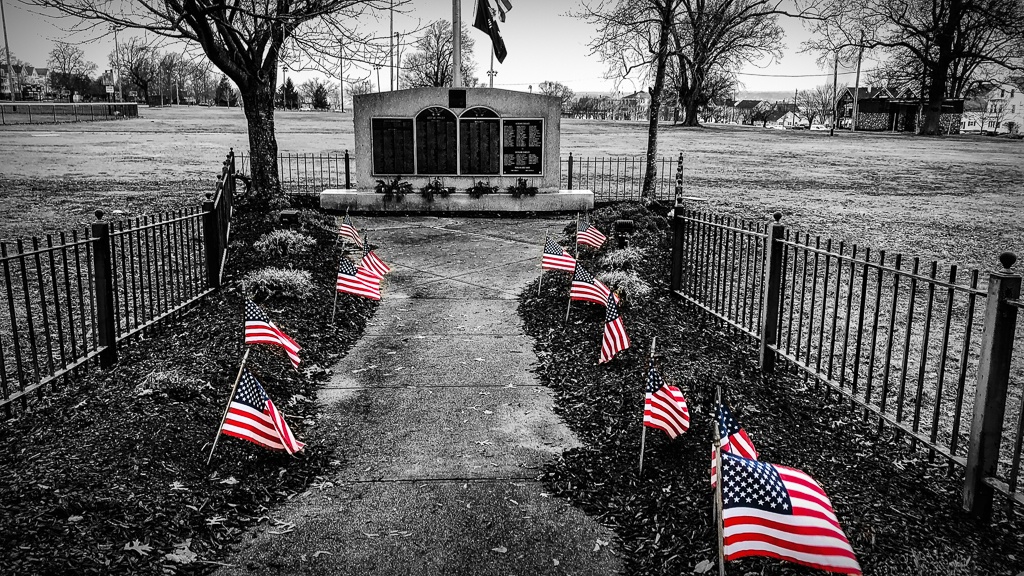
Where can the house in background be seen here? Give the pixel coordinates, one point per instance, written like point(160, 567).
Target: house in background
point(1004, 112)
point(743, 112)
point(897, 110)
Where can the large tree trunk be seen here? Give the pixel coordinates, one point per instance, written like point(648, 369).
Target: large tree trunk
point(659, 86)
point(258, 100)
point(690, 107)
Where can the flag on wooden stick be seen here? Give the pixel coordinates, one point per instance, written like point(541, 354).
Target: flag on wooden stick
point(664, 406)
point(588, 234)
point(780, 512)
point(734, 438)
point(347, 230)
point(373, 265)
point(253, 417)
point(352, 281)
point(615, 339)
point(556, 258)
point(586, 288)
point(260, 330)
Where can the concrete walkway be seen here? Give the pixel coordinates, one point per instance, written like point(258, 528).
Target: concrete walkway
point(445, 429)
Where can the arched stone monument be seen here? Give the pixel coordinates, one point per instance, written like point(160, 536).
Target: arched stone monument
point(457, 138)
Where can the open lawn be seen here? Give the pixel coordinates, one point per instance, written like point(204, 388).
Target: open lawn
point(956, 199)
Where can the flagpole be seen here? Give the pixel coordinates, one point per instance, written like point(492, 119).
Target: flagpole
point(643, 434)
point(542, 265)
point(720, 521)
point(228, 407)
point(456, 44)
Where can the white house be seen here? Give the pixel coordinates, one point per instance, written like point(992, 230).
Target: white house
point(1005, 111)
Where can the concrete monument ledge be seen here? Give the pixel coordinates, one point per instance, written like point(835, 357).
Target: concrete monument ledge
point(355, 201)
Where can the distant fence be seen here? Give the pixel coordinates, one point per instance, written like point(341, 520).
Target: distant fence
point(923, 351)
point(54, 113)
point(75, 296)
point(611, 178)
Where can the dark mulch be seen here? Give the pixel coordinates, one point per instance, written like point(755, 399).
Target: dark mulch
point(900, 512)
point(108, 474)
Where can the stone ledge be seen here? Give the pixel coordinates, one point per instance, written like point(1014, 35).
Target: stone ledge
point(340, 200)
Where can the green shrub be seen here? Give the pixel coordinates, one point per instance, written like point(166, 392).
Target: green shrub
point(627, 283)
point(623, 259)
point(270, 281)
point(283, 243)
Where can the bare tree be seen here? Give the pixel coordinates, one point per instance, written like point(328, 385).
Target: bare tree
point(943, 43)
point(68, 67)
point(360, 87)
point(138, 61)
point(430, 64)
point(633, 39)
point(564, 93)
point(244, 41)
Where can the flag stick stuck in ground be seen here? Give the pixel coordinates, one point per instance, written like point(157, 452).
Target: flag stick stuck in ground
point(643, 425)
point(719, 521)
point(227, 408)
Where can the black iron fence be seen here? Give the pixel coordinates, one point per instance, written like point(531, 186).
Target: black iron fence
point(56, 112)
point(922, 349)
point(611, 178)
point(73, 297)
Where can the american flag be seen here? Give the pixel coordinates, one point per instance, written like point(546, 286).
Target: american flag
point(664, 406)
point(734, 438)
point(253, 417)
point(352, 280)
point(780, 512)
point(587, 288)
point(347, 230)
point(556, 258)
point(372, 264)
point(587, 234)
point(260, 330)
point(615, 339)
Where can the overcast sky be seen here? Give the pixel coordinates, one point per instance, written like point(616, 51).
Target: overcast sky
point(543, 42)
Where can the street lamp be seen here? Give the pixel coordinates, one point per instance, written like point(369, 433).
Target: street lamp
point(377, 67)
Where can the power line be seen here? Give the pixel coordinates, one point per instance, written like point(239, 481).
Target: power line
point(795, 75)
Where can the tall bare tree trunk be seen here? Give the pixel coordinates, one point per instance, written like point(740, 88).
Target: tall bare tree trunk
point(258, 99)
point(659, 86)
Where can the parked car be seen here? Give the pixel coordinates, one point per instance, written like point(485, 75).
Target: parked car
point(818, 127)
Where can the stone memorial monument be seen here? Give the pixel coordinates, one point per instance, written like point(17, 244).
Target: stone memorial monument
point(452, 140)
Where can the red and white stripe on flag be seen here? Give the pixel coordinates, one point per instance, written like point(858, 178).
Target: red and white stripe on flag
point(260, 330)
point(347, 230)
point(556, 258)
point(781, 512)
point(589, 235)
point(586, 288)
point(253, 417)
point(374, 265)
point(615, 338)
point(351, 281)
point(666, 410)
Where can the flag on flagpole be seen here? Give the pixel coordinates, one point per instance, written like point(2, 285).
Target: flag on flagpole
point(503, 6)
point(781, 512)
point(260, 330)
point(484, 22)
point(253, 417)
point(588, 234)
point(664, 406)
point(615, 338)
point(349, 231)
point(374, 266)
point(734, 438)
point(587, 288)
point(351, 281)
point(556, 258)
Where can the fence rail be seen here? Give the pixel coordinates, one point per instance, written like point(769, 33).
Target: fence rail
point(55, 112)
point(72, 297)
point(920, 349)
point(611, 178)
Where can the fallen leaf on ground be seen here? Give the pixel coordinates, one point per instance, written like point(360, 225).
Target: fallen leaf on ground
point(136, 546)
point(182, 554)
point(702, 567)
point(499, 550)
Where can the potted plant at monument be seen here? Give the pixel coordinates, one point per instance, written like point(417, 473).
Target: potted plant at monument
point(480, 188)
point(436, 187)
point(522, 188)
point(393, 189)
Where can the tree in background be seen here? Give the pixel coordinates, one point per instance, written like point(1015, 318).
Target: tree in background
point(430, 63)
point(199, 78)
point(633, 39)
point(244, 41)
point(69, 71)
point(817, 103)
point(225, 95)
point(170, 75)
point(564, 93)
point(288, 96)
point(943, 44)
point(317, 93)
point(360, 87)
point(139, 63)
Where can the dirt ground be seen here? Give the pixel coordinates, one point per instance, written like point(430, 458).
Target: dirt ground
point(955, 199)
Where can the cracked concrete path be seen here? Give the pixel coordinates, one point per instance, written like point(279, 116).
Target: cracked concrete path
point(445, 427)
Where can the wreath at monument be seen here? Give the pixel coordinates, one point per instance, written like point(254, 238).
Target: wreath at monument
point(393, 189)
point(480, 188)
point(522, 188)
point(436, 188)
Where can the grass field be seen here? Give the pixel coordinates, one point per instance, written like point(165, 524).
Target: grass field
point(955, 199)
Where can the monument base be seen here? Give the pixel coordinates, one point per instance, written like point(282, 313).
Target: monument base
point(355, 201)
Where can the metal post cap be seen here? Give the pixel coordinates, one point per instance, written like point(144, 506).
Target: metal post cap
point(99, 214)
point(1007, 259)
point(777, 216)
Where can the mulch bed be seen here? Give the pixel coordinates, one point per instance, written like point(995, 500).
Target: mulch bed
point(900, 511)
point(107, 474)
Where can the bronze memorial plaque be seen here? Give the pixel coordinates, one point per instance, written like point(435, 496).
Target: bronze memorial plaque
point(523, 147)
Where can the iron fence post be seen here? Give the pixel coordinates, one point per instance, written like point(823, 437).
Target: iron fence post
point(104, 284)
point(211, 242)
point(993, 380)
point(348, 178)
point(570, 170)
point(772, 294)
point(678, 245)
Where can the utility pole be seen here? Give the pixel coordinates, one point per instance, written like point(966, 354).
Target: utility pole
point(117, 62)
point(835, 96)
point(398, 60)
point(391, 46)
point(7, 48)
point(856, 84)
point(341, 73)
point(456, 43)
point(491, 72)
